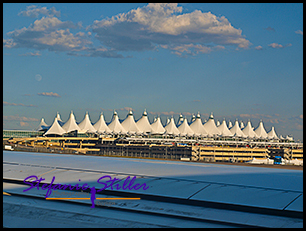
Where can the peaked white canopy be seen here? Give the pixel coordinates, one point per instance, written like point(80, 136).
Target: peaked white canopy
point(260, 131)
point(272, 134)
point(86, 126)
point(71, 124)
point(289, 138)
point(42, 125)
point(236, 131)
point(55, 129)
point(115, 125)
point(157, 127)
point(101, 126)
point(130, 125)
point(144, 124)
point(171, 128)
point(180, 120)
point(193, 118)
point(185, 129)
point(224, 129)
point(197, 127)
point(230, 125)
point(241, 125)
point(249, 131)
point(58, 117)
point(167, 121)
point(211, 127)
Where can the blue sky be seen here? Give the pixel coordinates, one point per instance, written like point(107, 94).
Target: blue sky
point(239, 61)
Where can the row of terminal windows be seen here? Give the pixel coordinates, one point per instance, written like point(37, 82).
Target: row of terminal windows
point(21, 134)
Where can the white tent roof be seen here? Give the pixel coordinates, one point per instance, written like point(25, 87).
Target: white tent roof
point(197, 127)
point(260, 131)
point(180, 120)
point(115, 125)
point(211, 127)
point(236, 131)
point(241, 125)
point(86, 126)
point(230, 125)
point(185, 129)
point(193, 118)
point(157, 127)
point(130, 125)
point(71, 124)
point(58, 117)
point(272, 134)
point(42, 124)
point(171, 128)
point(55, 129)
point(167, 121)
point(101, 126)
point(224, 129)
point(249, 131)
point(144, 124)
point(289, 138)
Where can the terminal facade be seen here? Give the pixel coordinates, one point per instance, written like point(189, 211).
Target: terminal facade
point(192, 141)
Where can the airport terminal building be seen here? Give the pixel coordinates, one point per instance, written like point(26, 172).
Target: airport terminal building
point(183, 140)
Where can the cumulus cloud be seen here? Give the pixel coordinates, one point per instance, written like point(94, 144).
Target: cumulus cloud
point(191, 49)
point(276, 45)
point(47, 33)
point(34, 11)
point(156, 25)
point(9, 43)
point(258, 48)
point(49, 94)
point(17, 104)
point(164, 25)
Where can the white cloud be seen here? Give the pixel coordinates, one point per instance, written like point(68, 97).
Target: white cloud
point(145, 28)
point(299, 32)
point(9, 43)
point(258, 48)
point(276, 45)
point(166, 25)
point(49, 94)
point(47, 33)
point(34, 11)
